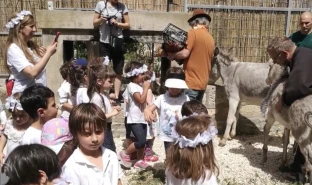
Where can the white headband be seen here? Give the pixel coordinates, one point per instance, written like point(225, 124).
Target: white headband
point(201, 138)
point(137, 71)
point(12, 104)
point(14, 21)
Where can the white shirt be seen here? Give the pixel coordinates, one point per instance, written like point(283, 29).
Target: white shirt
point(13, 136)
point(125, 95)
point(96, 99)
point(80, 96)
point(17, 62)
point(31, 136)
point(104, 28)
point(136, 110)
point(79, 171)
point(167, 104)
point(172, 180)
point(64, 97)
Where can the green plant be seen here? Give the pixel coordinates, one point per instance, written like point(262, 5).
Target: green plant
point(81, 49)
point(147, 177)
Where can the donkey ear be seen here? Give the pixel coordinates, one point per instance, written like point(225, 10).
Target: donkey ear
point(216, 51)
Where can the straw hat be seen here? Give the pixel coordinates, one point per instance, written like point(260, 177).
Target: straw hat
point(199, 13)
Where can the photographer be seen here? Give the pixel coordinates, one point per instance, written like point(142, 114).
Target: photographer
point(112, 17)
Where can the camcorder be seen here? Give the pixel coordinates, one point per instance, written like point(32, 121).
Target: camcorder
point(109, 20)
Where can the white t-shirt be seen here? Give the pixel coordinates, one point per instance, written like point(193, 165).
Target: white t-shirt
point(64, 97)
point(125, 95)
point(17, 62)
point(105, 29)
point(96, 99)
point(81, 95)
point(79, 171)
point(169, 107)
point(136, 110)
point(172, 180)
point(31, 136)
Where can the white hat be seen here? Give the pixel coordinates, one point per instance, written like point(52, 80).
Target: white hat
point(56, 148)
point(176, 81)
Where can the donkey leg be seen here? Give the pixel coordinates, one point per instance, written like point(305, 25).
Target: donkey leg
point(285, 145)
point(267, 127)
point(233, 129)
point(230, 120)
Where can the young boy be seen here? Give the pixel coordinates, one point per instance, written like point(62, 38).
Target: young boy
point(39, 103)
point(64, 92)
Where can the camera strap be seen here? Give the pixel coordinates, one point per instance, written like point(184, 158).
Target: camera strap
point(110, 30)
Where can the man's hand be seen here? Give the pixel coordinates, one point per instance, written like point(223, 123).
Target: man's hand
point(170, 56)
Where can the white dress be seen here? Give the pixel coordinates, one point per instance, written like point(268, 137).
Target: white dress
point(13, 136)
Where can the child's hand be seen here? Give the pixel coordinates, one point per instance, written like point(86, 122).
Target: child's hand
point(115, 112)
point(117, 108)
point(148, 115)
point(2, 156)
point(146, 84)
point(2, 127)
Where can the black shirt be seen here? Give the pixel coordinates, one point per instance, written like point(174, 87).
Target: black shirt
point(299, 83)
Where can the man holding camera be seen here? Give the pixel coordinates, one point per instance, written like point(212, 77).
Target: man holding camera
point(112, 17)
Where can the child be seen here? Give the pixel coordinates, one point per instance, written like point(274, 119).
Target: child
point(39, 103)
point(33, 164)
point(78, 80)
point(3, 118)
point(193, 107)
point(169, 105)
point(55, 135)
point(135, 118)
point(91, 163)
point(191, 159)
point(15, 128)
point(101, 79)
point(64, 91)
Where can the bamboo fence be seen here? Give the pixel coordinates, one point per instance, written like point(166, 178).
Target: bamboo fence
point(248, 32)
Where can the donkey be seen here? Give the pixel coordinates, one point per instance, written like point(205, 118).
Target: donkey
point(243, 81)
point(268, 109)
point(297, 119)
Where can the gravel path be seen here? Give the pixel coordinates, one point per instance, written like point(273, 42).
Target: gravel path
point(240, 162)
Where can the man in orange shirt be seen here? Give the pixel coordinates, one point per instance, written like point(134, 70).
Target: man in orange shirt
point(197, 55)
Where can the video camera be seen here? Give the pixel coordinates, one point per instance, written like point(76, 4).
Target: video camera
point(109, 20)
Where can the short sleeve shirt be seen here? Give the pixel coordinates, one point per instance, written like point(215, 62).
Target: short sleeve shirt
point(96, 99)
point(31, 136)
point(17, 62)
point(302, 40)
point(117, 11)
point(136, 110)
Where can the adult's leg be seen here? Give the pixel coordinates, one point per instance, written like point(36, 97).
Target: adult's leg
point(118, 64)
point(165, 64)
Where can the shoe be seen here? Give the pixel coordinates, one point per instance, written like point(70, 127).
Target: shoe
point(124, 159)
point(151, 158)
point(141, 164)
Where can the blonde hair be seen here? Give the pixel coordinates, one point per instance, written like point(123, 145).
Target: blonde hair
point(15, 37)
point(192, 163)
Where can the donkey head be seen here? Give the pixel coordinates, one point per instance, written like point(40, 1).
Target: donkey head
point(223, 56)
point(275, 70)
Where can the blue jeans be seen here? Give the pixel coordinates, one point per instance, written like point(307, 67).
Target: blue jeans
point(195, 94)
point(139, 130)
point(109, 139)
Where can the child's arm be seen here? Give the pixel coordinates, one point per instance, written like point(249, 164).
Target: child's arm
point(67, 106)
point(114, 112)
point(119, 182)
point(3, 141)
point(148, 113)
point(3, 120)
point(141, 98)
point(149, 97)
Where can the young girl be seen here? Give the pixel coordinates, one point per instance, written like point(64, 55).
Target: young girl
point(64, 91)
point(191, 160)
point(25, 60)
point(91, 163)
point(135, 117)
point(101, 79)
point(33, 164)
point(78, 80)
point(55, 135)
point(169, 105)
point(15, 128)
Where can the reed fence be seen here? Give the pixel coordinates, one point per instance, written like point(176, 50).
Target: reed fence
point(247, 31)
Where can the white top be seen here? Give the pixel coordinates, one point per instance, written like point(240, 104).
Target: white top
point(80, 95)
point(79, 171)
point(104, 28)
point(172, 180)
point(96, 99)
point(125, 95)
point(136, 110)
point(166, 105)
point(31, 136)
point(17, 62)
point(64, 97)
point(13, 136)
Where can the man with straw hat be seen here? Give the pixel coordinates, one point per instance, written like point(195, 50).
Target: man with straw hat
point(197, 55)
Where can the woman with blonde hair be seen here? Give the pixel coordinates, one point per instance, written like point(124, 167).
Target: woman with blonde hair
point(24, 58)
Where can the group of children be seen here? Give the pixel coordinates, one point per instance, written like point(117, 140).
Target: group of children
point(81, 138)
